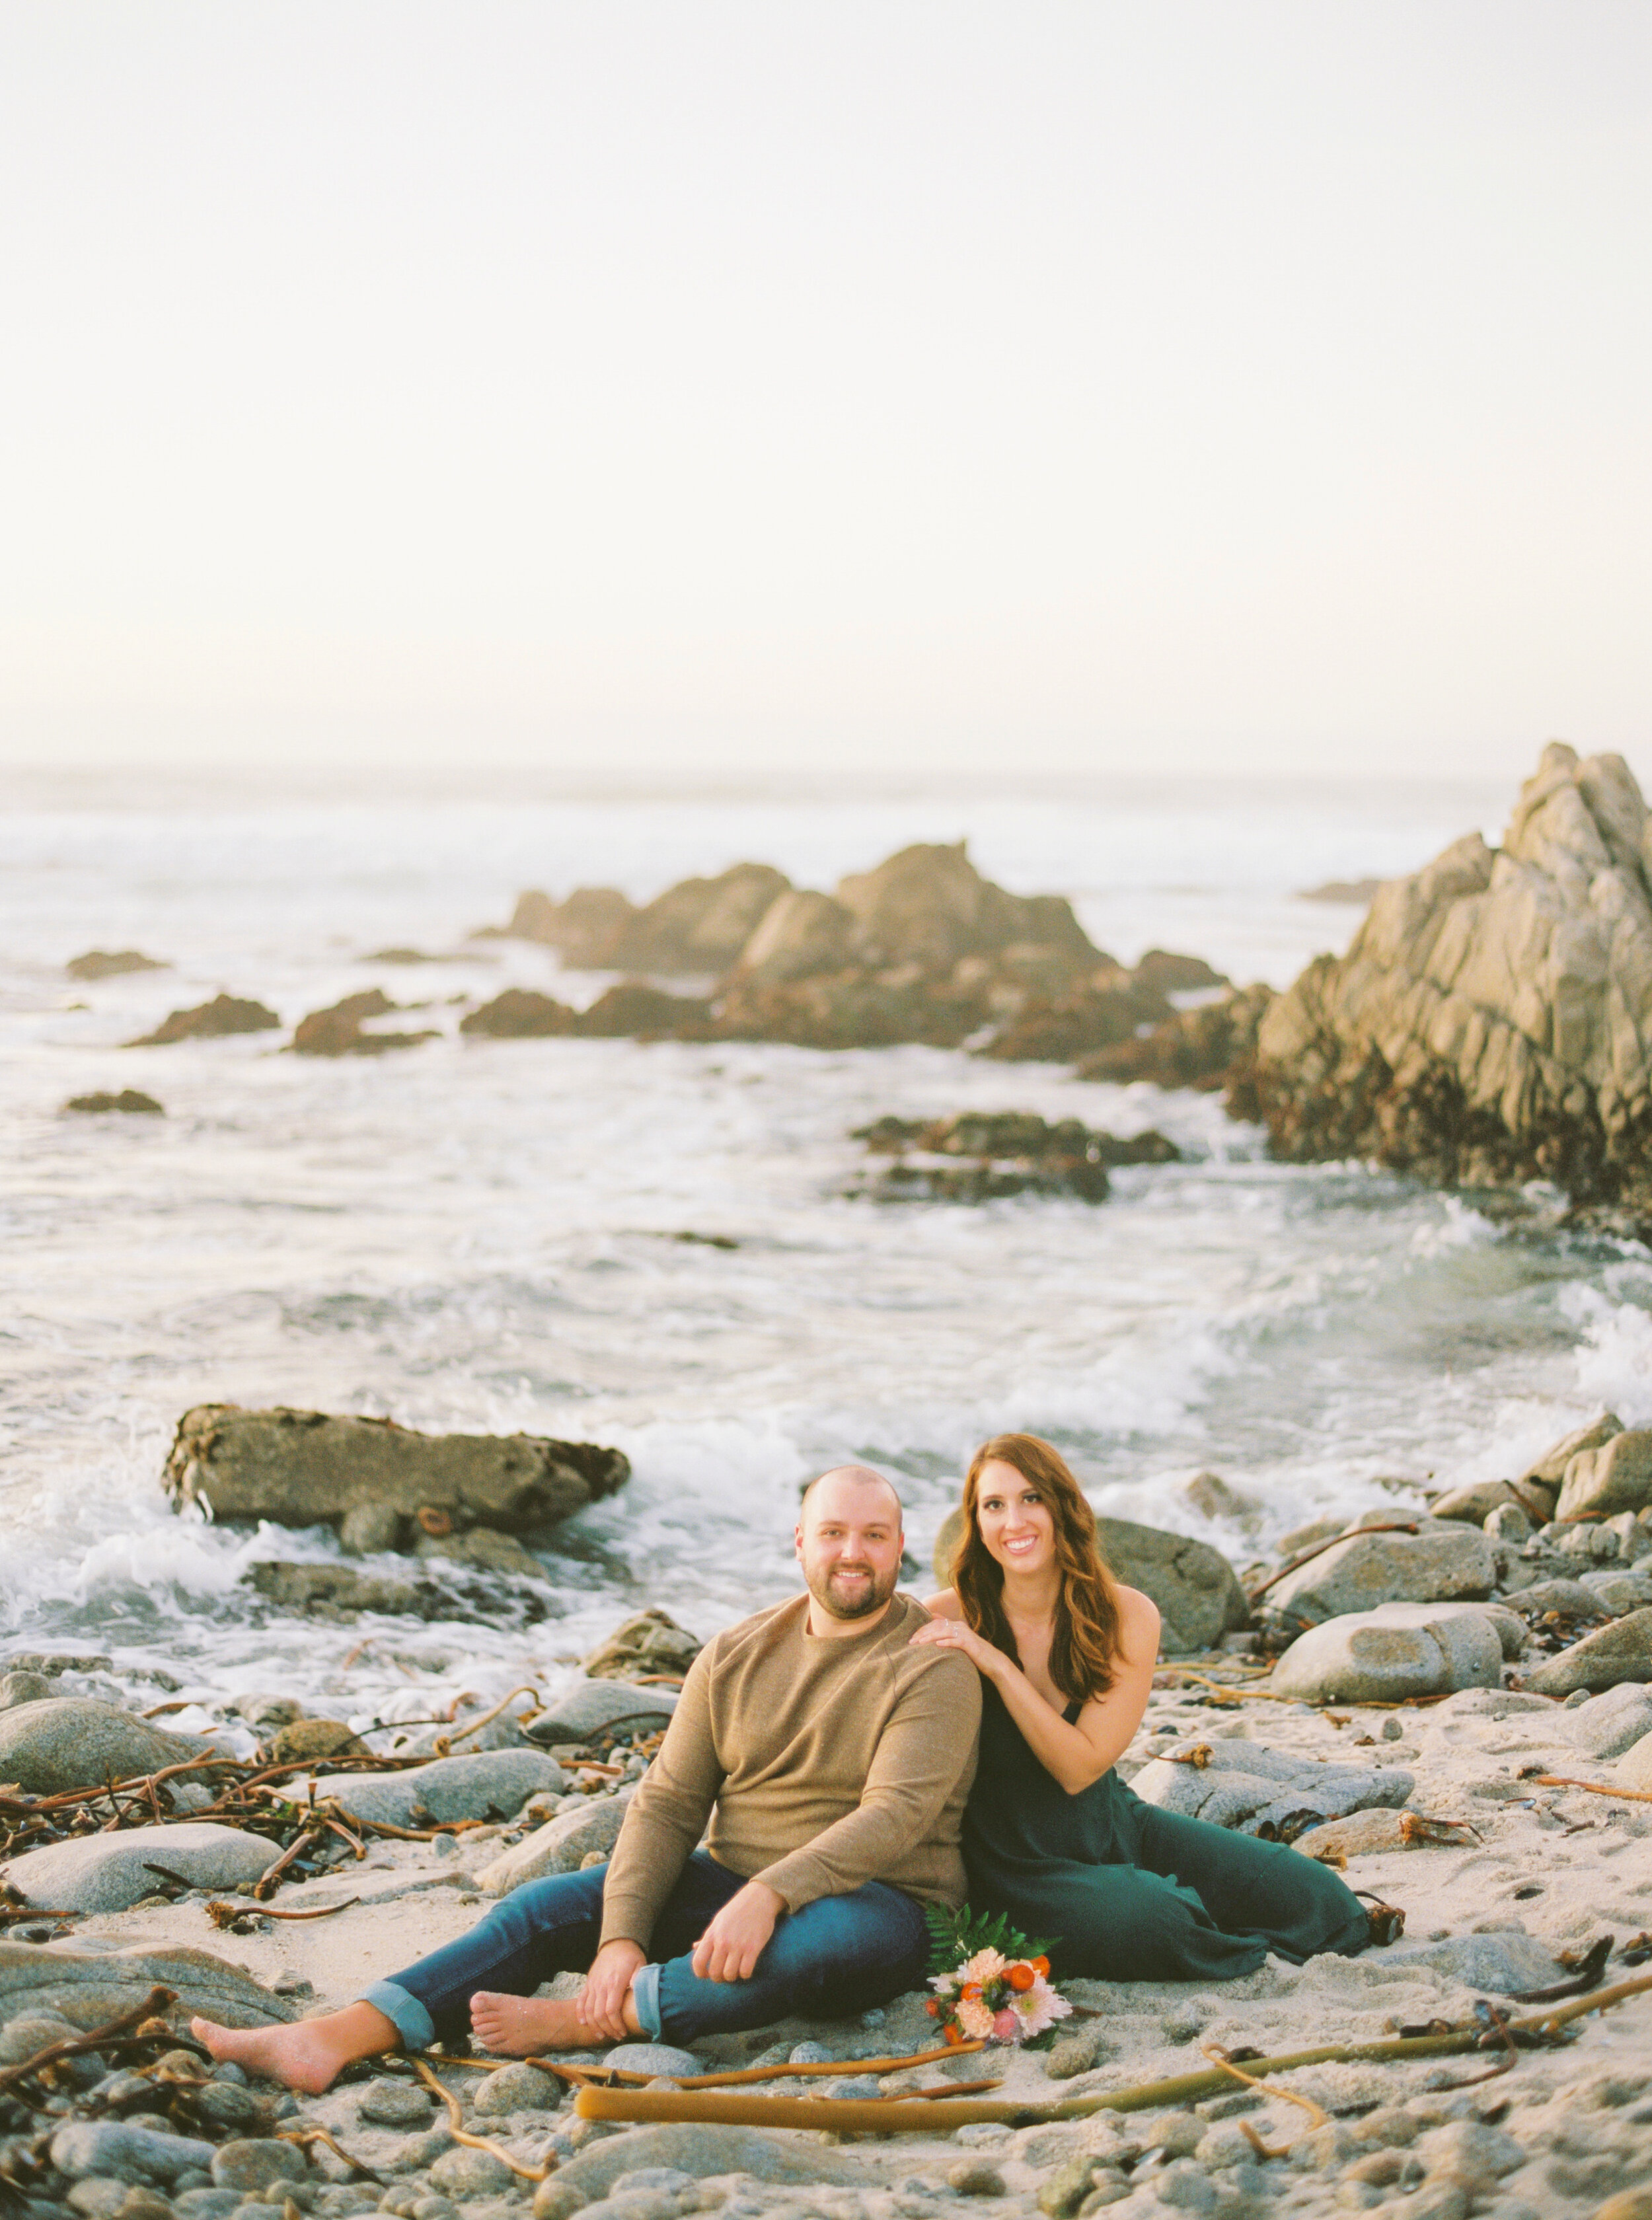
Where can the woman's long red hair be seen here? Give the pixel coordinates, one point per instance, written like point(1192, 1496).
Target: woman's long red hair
point(1085, 1642)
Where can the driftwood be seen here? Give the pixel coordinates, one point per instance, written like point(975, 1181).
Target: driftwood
point(1594, 1787)
point(903, 2115)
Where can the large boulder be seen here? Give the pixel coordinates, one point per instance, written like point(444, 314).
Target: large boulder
point(633, 1010)
point(1609, 1724)
point(486, 1783)
point(561, 1845)
point(1615, 1476)
point(223, 1014)
point(305, 1467)
point(1399, 1649)
point(1549, 1470)
point(591, 1705)
point(337, 1031)
point(1438, 1563)
point(584, 928)
point(1612, 1654)
point(643, 1647)
point(88, 1988)
point(699, 925)
point(109, 1872)
point(1197, 1591)
point(75, 1742)
point(1492, 1020)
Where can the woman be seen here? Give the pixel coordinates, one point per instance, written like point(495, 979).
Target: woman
point(1052, 1836)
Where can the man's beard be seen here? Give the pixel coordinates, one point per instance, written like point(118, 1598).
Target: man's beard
point(861, 1603)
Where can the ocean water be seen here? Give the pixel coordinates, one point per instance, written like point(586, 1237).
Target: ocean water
point(486, 1235)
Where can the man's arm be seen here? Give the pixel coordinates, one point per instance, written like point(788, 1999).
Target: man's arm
point(666, 1817)
point(927, 1746)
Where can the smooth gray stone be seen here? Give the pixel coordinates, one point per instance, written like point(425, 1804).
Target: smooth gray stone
point(205, 2204)
point(1622, 1651)
point(590, 1705)
point(130, 2153)
point(1609, 1724)
point(257, 2163)
point(1397, 1651)
point(89, 1987)
point(462, 1787)
point(655, 2058)
point(109, 1872)
point(1443, 1561)
point(75, 1742)
point(463, 2173)
point(518, 2088)
point(702, 2150)
point(561, 1845)
point(387, 2103)
point(1506, 1964)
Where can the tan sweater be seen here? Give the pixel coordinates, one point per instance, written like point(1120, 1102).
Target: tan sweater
point(830, 1760)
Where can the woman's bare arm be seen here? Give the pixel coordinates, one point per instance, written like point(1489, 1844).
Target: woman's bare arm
point(1073, 1754)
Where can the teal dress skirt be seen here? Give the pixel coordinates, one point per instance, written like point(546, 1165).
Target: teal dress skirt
point(1131, 1892)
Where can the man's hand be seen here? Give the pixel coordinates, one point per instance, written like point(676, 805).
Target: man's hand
point(601, 2003)
point(730, 1946)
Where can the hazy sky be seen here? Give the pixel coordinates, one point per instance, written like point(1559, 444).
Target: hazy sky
point(812, 383)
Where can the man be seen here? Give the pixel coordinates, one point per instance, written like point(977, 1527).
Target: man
point(832, 1757)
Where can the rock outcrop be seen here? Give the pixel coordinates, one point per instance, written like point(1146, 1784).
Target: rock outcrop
point(305, 1467)
point(111, 964)
point(338, 1030)
point(131, 1101)
point(979, 1154)
point(223, 1014)
point(920, 949)
point(1211, 1046)
point(1492, 1021)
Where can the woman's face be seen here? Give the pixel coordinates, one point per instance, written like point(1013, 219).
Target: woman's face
point(1015, 1520)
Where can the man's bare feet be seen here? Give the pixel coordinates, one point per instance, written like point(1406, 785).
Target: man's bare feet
point(519, 2027)
point(310, 2053)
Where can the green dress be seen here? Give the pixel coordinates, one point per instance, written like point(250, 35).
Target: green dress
point(1134, 1893)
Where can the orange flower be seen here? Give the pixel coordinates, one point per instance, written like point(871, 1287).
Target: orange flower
point(1021, 1978)
point(1041, 1965)
point(970, 1989)
point(933, 2008)
point(952, 2033)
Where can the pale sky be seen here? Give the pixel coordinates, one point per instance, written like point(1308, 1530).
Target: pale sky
point(821, 385)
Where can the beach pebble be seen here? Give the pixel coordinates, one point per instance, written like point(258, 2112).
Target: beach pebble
point(1074, 2053)
point(973, 2177)
point(463, 2173)
point(259, 2163)
point(1185, 2186)
point(1622, 1651)
point(1506, 1963)
point(302, 1740)
point(110, 1872)
point(388, 2103)
point(1471, 2152)
point(701, 2149)
point(205, 2204)
point(127, 2152)
point(22, 1688)
point(519, 2088)
point(1066, 2189)
point(99, 2197)
point(556, 2199)
point(561, 1845)
point(1635, 1767)
point(265, 1710)
point(654, 2058)
point(32, 2032)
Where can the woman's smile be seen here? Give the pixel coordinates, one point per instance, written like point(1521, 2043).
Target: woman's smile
point(1015, 1521)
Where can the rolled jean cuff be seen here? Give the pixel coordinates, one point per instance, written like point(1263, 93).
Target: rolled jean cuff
point(404, 2011)
point(644, 1994)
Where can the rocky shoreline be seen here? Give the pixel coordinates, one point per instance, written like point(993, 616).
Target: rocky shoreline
point(1453, 1706)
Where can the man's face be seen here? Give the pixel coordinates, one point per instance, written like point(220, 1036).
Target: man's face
point(849, 1546)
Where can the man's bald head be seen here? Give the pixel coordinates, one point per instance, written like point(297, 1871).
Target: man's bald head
point(848, 1541)
point(854, 1476)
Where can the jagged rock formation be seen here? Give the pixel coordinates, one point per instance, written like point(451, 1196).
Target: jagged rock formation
point(338, 1030)
point(699, 926)
point(1214, 1045)
point(1492, 1022)
point(978, 1155)
point(112, 963)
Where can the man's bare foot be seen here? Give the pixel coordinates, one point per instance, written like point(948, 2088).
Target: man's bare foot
point(519, 2027)
point(310, 2053)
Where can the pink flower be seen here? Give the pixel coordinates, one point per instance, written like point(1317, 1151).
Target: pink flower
point(974, 2018)
point(1041, 2007)
point(984, 1965)
point(1006, 2026)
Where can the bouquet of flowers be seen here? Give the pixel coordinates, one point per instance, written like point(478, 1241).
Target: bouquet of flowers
point(991, 1985)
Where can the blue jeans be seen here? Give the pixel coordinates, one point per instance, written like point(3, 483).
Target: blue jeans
point(838, 1955)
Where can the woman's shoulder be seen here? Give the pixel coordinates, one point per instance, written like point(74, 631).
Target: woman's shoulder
point(1138, 1621)
point(944, 1606)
